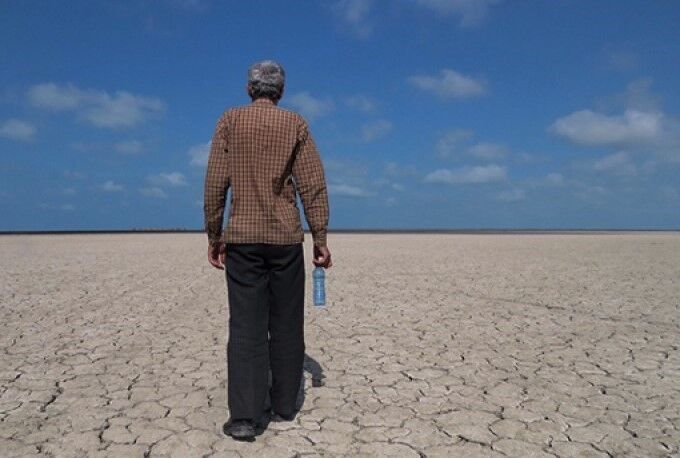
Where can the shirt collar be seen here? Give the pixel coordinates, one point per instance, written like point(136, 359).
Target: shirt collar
point(262, 101)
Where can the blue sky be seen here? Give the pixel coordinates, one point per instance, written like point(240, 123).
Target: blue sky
point(427, 113)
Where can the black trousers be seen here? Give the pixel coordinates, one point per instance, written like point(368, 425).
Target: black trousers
point(266, 290)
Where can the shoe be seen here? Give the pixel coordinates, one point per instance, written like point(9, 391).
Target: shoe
point(240, 429)
point(277, 417)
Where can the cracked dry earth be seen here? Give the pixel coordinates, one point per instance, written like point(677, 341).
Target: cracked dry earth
point(432, 345)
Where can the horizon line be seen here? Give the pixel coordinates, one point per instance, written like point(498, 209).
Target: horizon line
point(518, 230)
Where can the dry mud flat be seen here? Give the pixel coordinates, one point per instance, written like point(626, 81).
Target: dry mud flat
point(432, 345)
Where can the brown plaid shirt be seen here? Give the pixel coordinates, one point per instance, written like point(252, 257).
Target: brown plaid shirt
point(264, 154)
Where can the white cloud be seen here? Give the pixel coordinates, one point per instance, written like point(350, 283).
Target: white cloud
point(512, 195)
point(129, 147)
point(345, 170)
point(361, 103)
point(617, 163)
point(450, 84)
point(592, 194)
point(67, 207)
point(589, 128)
point(89, 147)
point(120, 109)
point(346, 190)
point(477, 174)
point(155, 192)
point(375, 130)
point(392, 169)
point(199, 154)
point(639, 96)
point(15, 129)
point(354, 14)
point(110, 186)
point(310, 107)
point(488, 151)
point(53, 97)
point(554, 179)
point(73, 175)
point(449, 144)
point(471, 12)
point(641, 128)
point(172, 179)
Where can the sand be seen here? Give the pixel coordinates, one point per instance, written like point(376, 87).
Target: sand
point(434, 345)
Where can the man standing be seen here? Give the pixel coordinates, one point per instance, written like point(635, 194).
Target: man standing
point(264, 154)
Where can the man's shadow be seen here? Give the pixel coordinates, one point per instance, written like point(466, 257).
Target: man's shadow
point(312, 367)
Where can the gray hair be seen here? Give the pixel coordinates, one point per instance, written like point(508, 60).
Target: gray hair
point(266, 79)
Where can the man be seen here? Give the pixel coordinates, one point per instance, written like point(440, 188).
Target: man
point(264, 154)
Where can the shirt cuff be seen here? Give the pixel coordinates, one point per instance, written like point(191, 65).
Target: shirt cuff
point(319, 238)
point(214, 238)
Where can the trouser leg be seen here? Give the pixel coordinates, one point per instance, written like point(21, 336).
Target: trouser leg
point(286, 324)
point(247, 347)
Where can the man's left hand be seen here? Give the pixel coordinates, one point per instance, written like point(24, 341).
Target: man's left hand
point(217, 255)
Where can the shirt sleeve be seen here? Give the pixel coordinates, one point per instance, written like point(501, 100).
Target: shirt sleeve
point(311, 184)
point(216, 182)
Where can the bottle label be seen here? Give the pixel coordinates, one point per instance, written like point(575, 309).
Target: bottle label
point(319, 287)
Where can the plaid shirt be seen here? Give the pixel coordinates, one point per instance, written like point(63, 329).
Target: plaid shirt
point(264, 154)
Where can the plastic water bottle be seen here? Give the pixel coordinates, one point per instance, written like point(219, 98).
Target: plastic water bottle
point(319, 276)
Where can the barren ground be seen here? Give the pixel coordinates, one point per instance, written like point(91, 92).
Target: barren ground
point(431, 345)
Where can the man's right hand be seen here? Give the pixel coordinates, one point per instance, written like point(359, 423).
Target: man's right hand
point(322, 257)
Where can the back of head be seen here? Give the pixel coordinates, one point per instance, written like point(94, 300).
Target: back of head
point(266, 79)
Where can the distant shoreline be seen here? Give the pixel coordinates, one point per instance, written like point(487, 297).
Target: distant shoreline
point(355, 231)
